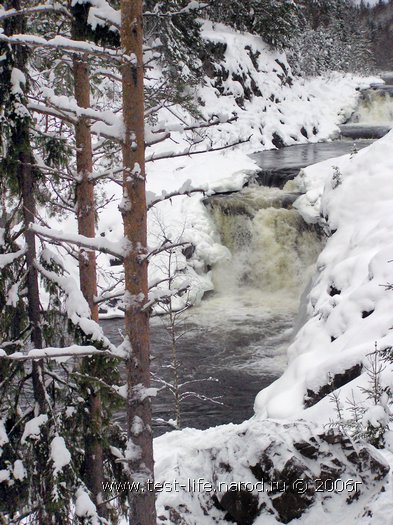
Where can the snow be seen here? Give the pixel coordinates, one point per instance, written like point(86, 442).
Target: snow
point(84, 507)
point(133, 452)
point(19, 471)
point(4, 475)
point(33, 427)
point(59, 454)
point(18, 80)
point(60, 354)
point(100, 12)
point(356, 262)
point(3, 435)
point(9, 258)
point(375, 416)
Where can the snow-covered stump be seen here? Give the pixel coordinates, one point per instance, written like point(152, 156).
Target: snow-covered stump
point(262, 472)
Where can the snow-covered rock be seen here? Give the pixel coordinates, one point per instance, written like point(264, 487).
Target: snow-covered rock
point(264, 472)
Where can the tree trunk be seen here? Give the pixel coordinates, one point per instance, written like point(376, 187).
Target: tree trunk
point(140, 443)
point(85, 203)
point(85, 208)
point(22, 155)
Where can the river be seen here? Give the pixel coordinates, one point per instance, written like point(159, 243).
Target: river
point(234, 344)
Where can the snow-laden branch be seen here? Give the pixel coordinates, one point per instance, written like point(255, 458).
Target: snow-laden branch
point(105, 124)
point(45, 110)
point(189, 153)
point(163, 295)
point(186, 189)
point(66, 44)
point(117, 249)
point(55, 353)
point(77, 308)
point(192, 6)
point(39, 9)
point(165, 246)
point(8, 258)
point(101, 11)
point(107, 174)
point(182, 127)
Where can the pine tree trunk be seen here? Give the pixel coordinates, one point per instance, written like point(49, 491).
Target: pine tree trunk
point(85, 207)
point(140, 443)
point(85, 203)
point(26, 181)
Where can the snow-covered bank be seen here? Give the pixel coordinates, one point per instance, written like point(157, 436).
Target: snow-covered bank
point(349, 308)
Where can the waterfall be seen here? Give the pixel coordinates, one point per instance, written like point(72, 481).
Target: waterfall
point(271, 247)
point(375, 108)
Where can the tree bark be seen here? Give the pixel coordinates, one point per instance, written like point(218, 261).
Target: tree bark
point(22, 155)
point(133, 208)
point(85, 210)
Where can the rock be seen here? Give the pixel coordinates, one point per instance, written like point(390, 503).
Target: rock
point(303, 131)
point(372, 461)
point(307, 449)
point(286, 469)
point(290, 506)
point(337, 381)
point(241, 506)
point(277, 141)
point(298, 493)
point(263, 469)
point(188, 251)
point(329, 474)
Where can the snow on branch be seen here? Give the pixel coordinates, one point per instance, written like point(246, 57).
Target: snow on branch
point(45, 110)
point(100, 11)
point(189, 153)
point(165, 247)
point(163, 295)
point(39, 9)
point(192, 6)
point(106, 123)
point(55, 353)
point(77, 308)
point(186, 189)
point(216, 120)
point(108, 295)
point(117, 249)
point(8, 258)
point(65, 44)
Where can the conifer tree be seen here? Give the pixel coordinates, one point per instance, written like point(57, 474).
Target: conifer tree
point(134, 211)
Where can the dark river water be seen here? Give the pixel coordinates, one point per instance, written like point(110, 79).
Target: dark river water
point(238, 337)
point(278, 166)
point(230, 362)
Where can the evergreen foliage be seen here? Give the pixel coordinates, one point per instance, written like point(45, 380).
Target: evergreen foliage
point(329, 39)
point(176, 36)
point(276, 21)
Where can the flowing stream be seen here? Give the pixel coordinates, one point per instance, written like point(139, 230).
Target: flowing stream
point(234, 343)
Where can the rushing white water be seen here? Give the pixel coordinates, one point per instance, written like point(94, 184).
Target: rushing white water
point(375, 108)
point(271, 249)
